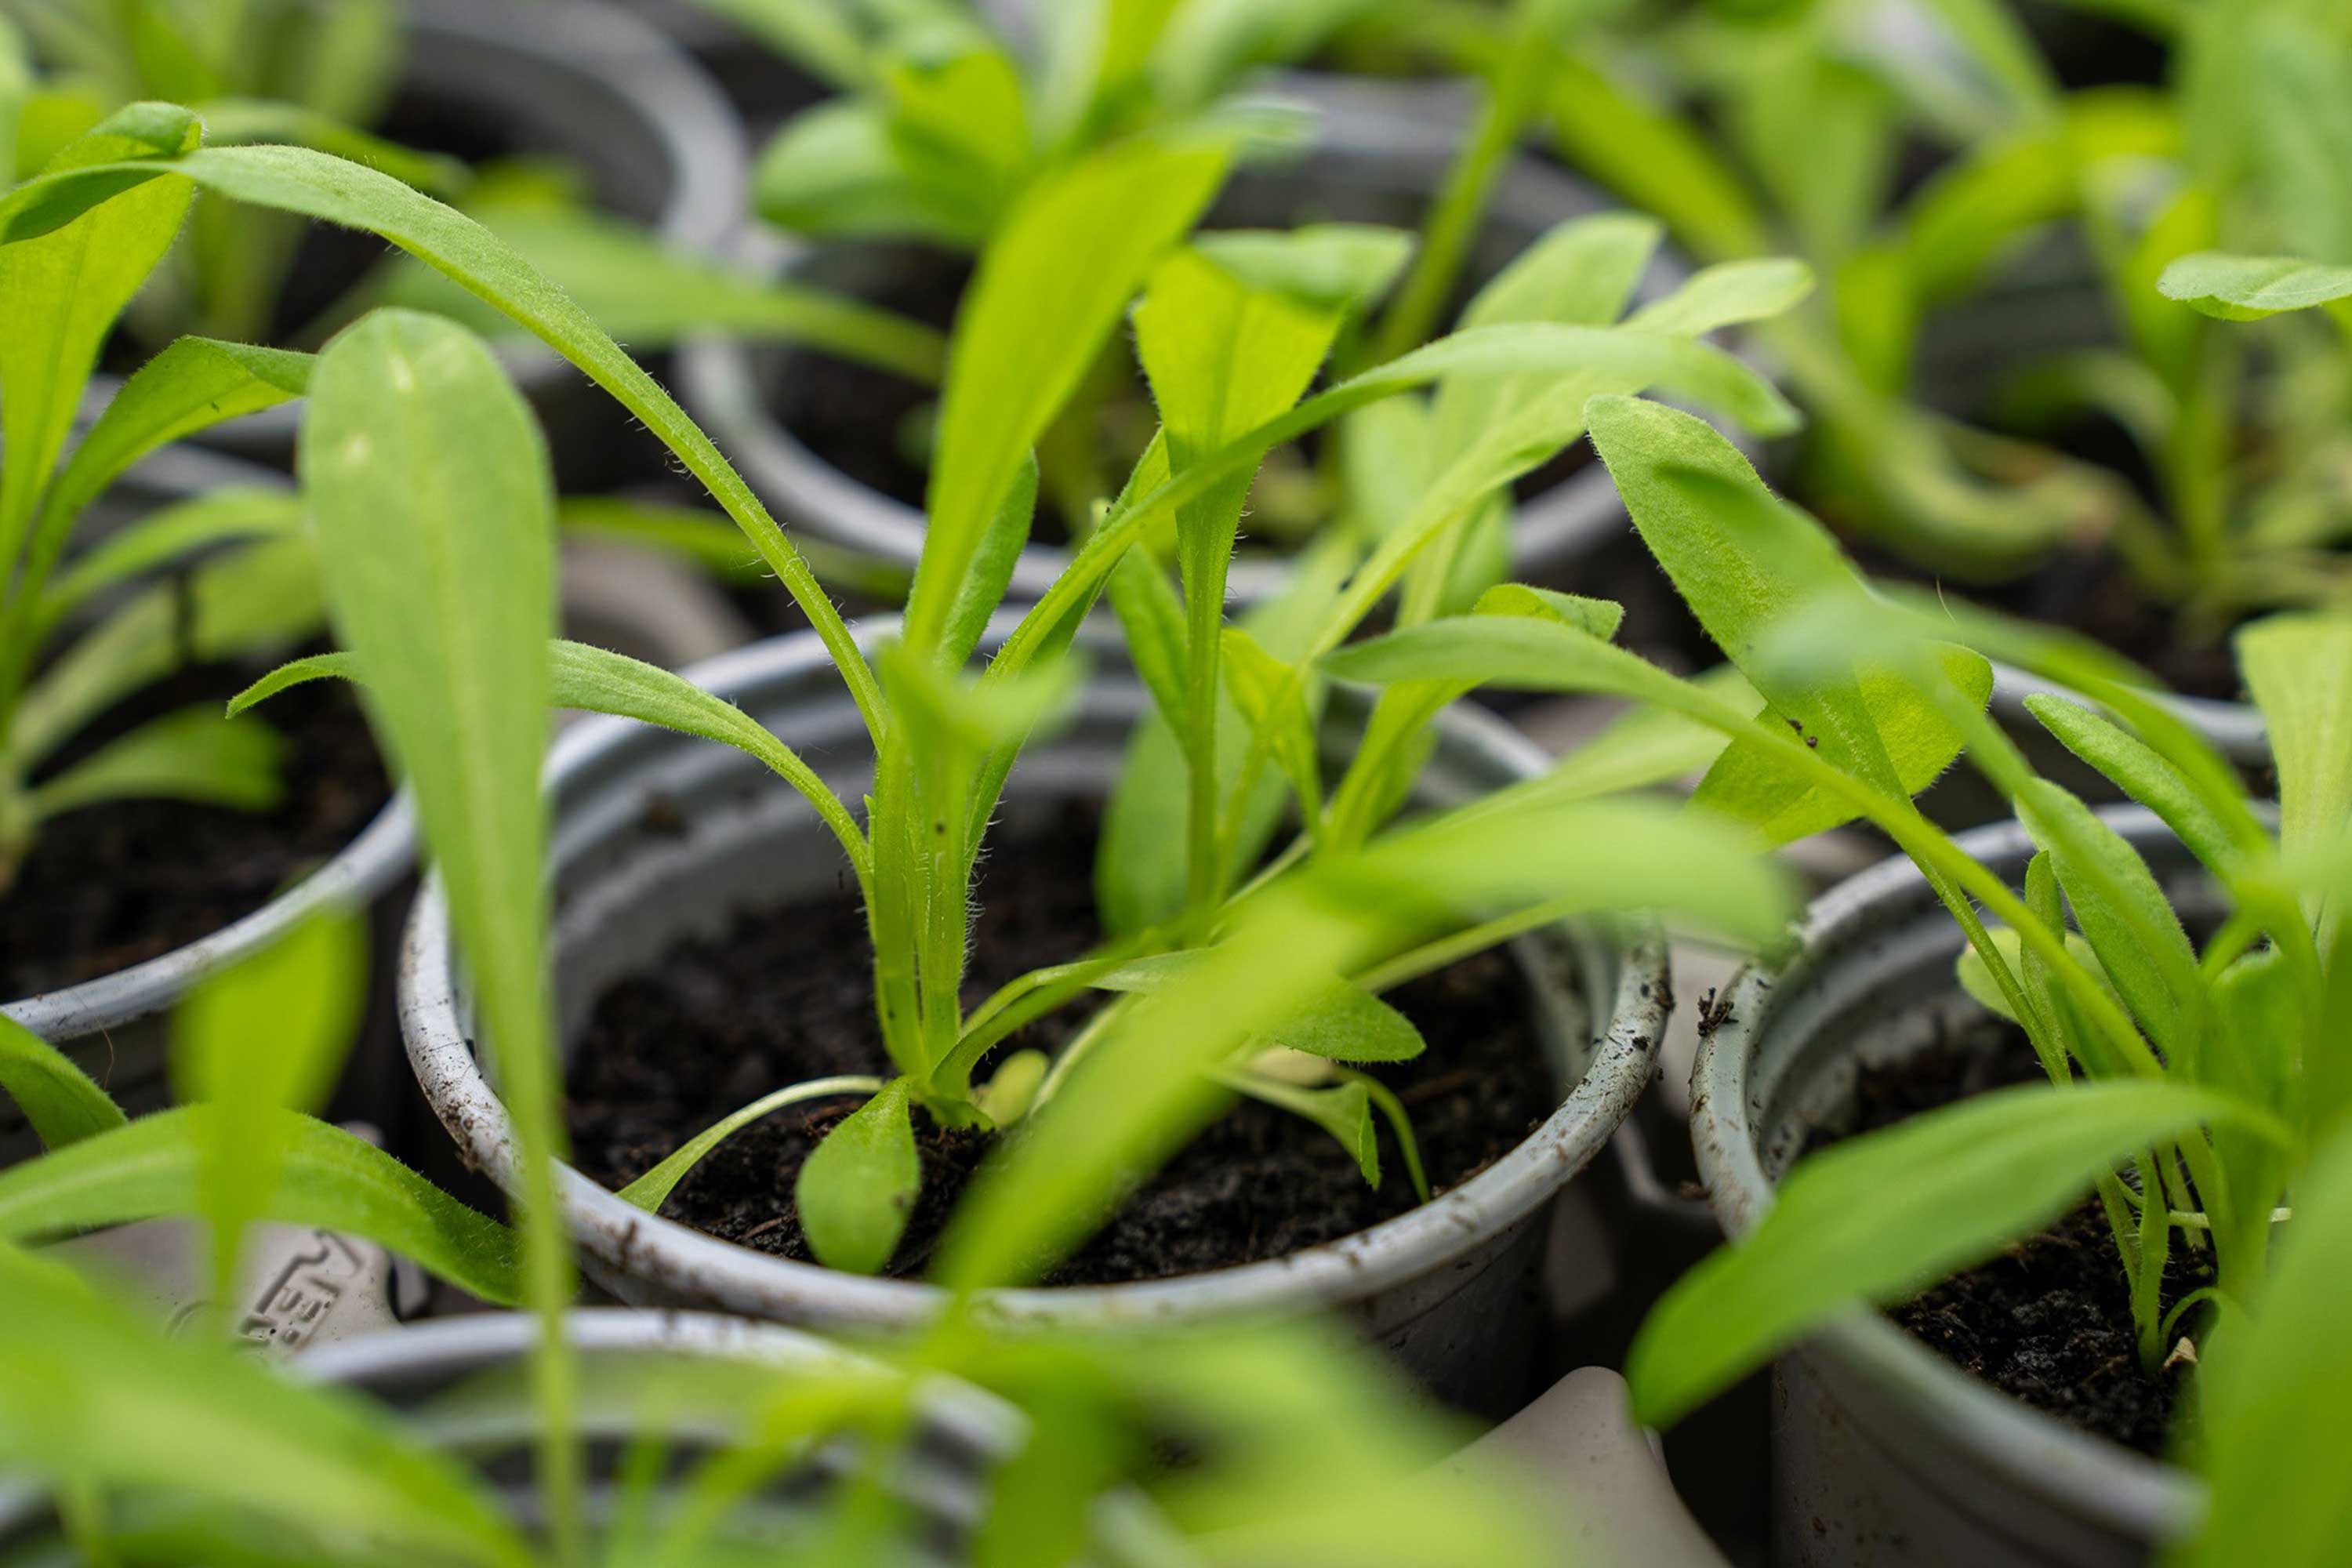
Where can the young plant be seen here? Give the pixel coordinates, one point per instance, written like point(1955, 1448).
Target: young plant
point(945, 741)
point(80, 633)
point(2209, 1073)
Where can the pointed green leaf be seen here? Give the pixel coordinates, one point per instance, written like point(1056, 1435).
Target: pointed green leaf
point(1880, 1218)
point(195, 754)
point(2135, 768)
point(1049, 290)
point(1729, 294)
point(858, 1188)
point(328, 1179)
point(2248, 288)
point(1152, 619)
point(2299, 669)
point(1344, 1111)
point(653, 1189)
point(219, 517)
point(1273, 696)
point(1345, 1023)
point(56, 1096)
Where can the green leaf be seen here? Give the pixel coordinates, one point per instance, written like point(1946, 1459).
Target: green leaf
point(1344, 267)
point(65, 290)
point(1728, 294)
point(1273, 696)
point(229, 121)
point(1210, 43)
point(1344, 1111)
point(1880, 1218)
point(56, 1096)
point(2272, 1390)
point(1152, 618)
point(295, 179)
point(2137, 769)
point(434, 506)
point(256, 600)
point(1143, 1092)
point(1976, 975)
point(958, 123)
point(645, 294)
point(2248, 288)
point(833, 173)
point(653, 1189)
point(2301, 114)
point(2128, 920)
point(88, 1393)
point(192, 384)
point(1345, 1023)
point(2299, 670)
point(1748, 785)
point(1047, 294)
point(328, 1178)
point(858, 1188)
point(265, 1037)
point(194, 754)
point(991, 571)
point(219, 517)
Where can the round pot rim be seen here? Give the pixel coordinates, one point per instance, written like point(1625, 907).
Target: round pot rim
point(2032, 1451)
point(2236, 729)
point(717, 379)
point(352, 878)
point(1411, 1245)
point(700, 138)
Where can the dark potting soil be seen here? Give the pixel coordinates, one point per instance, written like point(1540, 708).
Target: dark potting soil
point(786, 996)
point(2049, 1321)
point(119, 883)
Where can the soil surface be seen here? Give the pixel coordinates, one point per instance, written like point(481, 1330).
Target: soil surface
point(2048, 1322)
point(786, 996)
point(118, 883)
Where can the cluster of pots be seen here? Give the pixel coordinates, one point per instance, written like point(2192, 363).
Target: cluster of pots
point(1879, 1452)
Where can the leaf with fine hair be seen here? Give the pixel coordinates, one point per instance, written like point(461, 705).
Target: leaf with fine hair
point(64, 290)
point(1049, 290)
point(2132, 766)
point(88, 1393)
point(1728, 294)
point(858, 1188)
point(262, 1038)
point(56, 1096)
point(434, 506)
point(194, 754)
point(1275, 697)
point(1880, 1218)
point(328, 1178)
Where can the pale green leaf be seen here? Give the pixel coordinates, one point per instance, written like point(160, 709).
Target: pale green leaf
point(90, 1392)
point(2137, 769)
point(653, 1189)
point(1345, 1023)
point(195, 754)
point(1334, 266)
point(858, 1188)
point(2299, 670)
point(225, 516)
point(1881, 1217)
point(260, 1038)
point(56, 1096)
point(1048, 293)
point(328, 1178)
point(1152, 619)
point(832, 172)
point(2248, 288)
point(1342, 1109)
point(65, 290)
point(1273, 696)
point(1729, 294)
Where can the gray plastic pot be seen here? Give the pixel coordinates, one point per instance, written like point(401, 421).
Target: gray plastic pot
point(1883, 1453)
point(596, 88)
point(1363, 166)
point(1452, 1287)
point(965, 1431)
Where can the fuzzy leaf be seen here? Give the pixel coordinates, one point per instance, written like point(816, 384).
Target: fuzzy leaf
point(56, 1096)
point(858, 1188)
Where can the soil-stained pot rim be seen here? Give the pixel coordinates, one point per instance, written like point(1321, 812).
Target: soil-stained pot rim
point(1417, 1245)
point(1883, 914)
point(675, 105)
point(720, 382)
point(382, 852)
